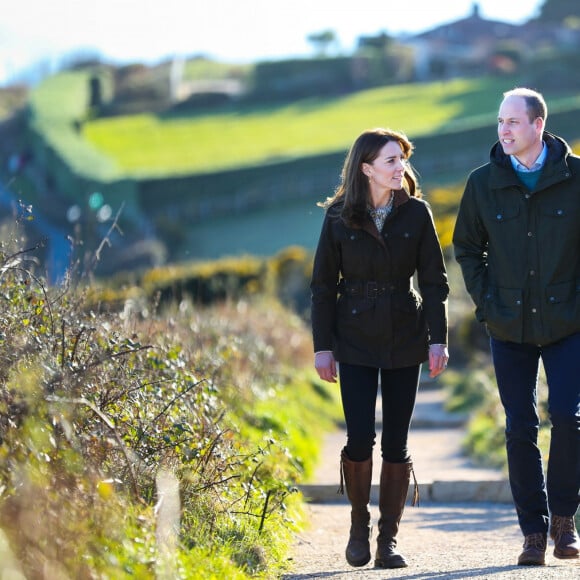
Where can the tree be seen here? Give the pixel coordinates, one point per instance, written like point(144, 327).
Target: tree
point(380, 43)
point(559, 11)
point(323, 41)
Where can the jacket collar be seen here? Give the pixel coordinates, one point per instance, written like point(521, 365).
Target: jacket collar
point(504, 175)
point(400, 198)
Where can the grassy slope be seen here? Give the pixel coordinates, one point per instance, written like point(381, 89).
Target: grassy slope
point(60, 102)
point(230, 137)
point(234, 136)
point(261, 232)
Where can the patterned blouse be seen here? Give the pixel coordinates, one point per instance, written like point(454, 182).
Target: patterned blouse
point(380, 214)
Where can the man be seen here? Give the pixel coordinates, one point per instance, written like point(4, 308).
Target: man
point(517, 240)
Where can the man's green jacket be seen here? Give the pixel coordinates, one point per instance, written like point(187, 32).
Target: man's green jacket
point(519, 249)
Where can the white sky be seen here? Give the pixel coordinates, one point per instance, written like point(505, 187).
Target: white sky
point(229, 30)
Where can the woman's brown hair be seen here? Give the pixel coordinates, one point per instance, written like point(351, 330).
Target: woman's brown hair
point(354, 185)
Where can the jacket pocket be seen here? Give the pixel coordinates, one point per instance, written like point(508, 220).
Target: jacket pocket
point(560, 211)
point(356, 319)
point(564, 305)
point(408, 317)
point(502, 223)
point(558, 230)
point(500, 216)
point(502, 309)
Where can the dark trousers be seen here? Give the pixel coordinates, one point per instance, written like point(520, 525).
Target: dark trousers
point(358, 388)
point(516, 368)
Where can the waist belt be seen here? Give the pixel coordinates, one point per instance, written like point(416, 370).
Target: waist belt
point(371, 288)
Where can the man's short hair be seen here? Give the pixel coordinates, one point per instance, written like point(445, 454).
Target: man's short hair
point(535, 103)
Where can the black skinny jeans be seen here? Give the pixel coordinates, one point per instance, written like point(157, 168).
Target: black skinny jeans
point(359, 388)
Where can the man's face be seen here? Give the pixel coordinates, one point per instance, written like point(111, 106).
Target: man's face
point(517, 134)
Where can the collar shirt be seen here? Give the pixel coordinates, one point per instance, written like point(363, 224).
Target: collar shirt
point(536, 166)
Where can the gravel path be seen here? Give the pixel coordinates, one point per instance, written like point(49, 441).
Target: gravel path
point(440, 541)
point(442, 538)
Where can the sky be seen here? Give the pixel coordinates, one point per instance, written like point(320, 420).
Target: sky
point(149, 31)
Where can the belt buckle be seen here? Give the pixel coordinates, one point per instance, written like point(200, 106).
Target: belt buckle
point(372, 289)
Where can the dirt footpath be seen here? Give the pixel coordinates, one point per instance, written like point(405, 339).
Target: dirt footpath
point(464, 528)
point(440, 541)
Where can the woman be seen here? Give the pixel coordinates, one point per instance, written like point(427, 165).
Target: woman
point(377, 234)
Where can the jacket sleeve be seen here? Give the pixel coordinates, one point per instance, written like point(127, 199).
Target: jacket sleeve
point(323, 286)
point(432, 280)
point(470, 246)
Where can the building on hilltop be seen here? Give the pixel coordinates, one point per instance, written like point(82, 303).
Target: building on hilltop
point(475, 45)
point(459, 48)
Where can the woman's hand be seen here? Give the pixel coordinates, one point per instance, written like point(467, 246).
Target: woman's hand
point(438, 359)
point(325, 365)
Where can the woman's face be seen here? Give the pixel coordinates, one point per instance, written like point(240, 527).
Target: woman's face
point(388, 169)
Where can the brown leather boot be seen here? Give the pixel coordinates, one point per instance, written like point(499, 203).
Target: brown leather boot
point(563, 532)
point(357, 476)
point(534, 552)
point(393, 490)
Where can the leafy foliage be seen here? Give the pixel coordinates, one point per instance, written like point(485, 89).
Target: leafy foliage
point(12, 99)
point(559, 11)
point(116, 427)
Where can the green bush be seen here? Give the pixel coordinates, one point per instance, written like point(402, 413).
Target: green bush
point(109, 419)
point(285, 276)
